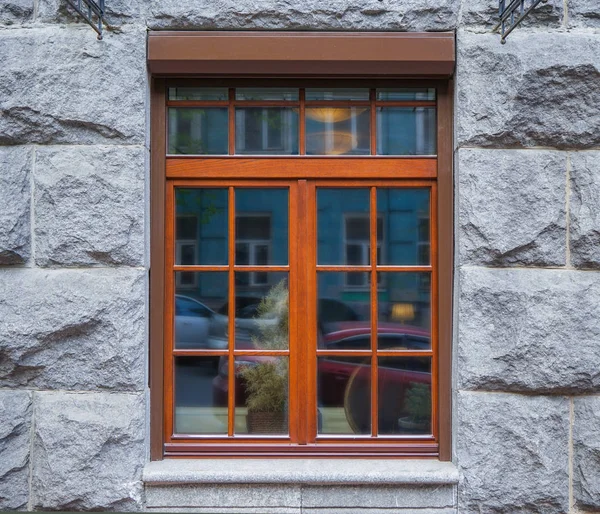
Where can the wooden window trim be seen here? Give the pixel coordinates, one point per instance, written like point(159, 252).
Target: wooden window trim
point(224, 168)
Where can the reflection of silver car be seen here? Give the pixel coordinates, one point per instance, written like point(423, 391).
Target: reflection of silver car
point(197, 326)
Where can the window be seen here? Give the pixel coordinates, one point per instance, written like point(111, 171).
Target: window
point(302, 268)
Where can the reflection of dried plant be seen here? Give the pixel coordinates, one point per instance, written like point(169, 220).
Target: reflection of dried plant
point(267, 381)
point(418, 402)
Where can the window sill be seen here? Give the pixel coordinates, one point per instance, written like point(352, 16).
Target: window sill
point(300, 471)
point(300, 486)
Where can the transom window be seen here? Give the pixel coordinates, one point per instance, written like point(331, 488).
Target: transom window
point(301, 269)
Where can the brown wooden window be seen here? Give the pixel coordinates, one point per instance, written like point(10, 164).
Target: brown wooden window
point(306, 277)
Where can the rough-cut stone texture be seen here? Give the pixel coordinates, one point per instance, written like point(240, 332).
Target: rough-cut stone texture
point(89, 205)
point(15, 434)
point(483, 14)
point(584, 13)
point(117, 13)
point(88, 451)
point(72, 88)
point(586, 446)
point(412, 15)
point(513, 453)
point(539, 89)
point(585, 210)
point(512, 207)
point(15, 12)
point(15, 199)
point(529, 330)
point(72, 329)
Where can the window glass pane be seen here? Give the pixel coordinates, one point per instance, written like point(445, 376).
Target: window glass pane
point(404, 395)
point(197, 409)
point(198, 131)
point(266, 93)
point(261, 390)
point(198, 93)
point(197, 298)
point(406, 131)
point(337, 94)
point(336, 210)
point(404, 306)
point(261, 226)
point(337, 131)
point(266, 130)
point(404, 226)
point(344, 395)
point(399, 94)
point(201, 228)
point(343, 311)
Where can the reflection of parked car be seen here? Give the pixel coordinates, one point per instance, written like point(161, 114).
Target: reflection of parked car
point(345, 381)
point(197, 326)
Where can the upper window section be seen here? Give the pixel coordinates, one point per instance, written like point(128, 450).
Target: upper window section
point(298, 121)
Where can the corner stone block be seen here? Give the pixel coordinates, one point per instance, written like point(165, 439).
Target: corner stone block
point(16, 12)
point(512, 207)
point(585, 210)
point(72, 88)
point(409, 15)
point(15, 436)
point(513, 453)
point(529, 331)
point(584, 14)
point(89, 205)
point(545, 90)
point(73, 329)
point(88, 451)
point(483, 15)
point(586, 459)
point(15, 199)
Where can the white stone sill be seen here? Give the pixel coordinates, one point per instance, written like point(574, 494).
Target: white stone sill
point(300, 471)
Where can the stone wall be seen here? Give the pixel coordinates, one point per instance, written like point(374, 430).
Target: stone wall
point(73, 244)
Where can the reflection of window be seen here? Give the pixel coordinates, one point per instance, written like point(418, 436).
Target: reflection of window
point(264, 130)
point(252, 247)
point(358, 249)
point(186, 248)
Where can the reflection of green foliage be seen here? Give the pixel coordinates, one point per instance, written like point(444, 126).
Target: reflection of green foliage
point(267, 382)
point(198, 200)
point(181, 142)
point(418, 402)
point(272, 117)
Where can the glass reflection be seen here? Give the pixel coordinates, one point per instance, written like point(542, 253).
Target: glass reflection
point(201, 229)
point(196, 411)
point(403, 230)
point(404, 395)
point(337, 131)
point(261, 395)
point(343, 226)
point(406, 131)
point(266, 130)
point(343, 314)
point(261, 229)
point(197, 324)
point(266, 93)
point(344, 395)
point(261, 312)
point(198, 131)
point(404, 310)
point(400, 94)
point(198, 93)
point(337, 94)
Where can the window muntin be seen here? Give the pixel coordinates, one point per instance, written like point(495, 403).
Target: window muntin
point(302, 121)
point(295, 430)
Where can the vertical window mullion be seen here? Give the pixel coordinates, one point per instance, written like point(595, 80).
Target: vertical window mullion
point(231, 320)
point(302, 122)
point(373, 122)
point(374, 316)
point(231, 121)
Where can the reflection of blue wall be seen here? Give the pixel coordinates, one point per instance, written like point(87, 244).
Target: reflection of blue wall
point(398, 209)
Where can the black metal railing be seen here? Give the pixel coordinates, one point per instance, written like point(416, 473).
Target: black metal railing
point(92, 11)
point(513, 12)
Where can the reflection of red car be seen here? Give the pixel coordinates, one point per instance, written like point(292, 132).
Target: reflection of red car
point(345, 381)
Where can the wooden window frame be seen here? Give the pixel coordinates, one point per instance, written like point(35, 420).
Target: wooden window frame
point(167, 171)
